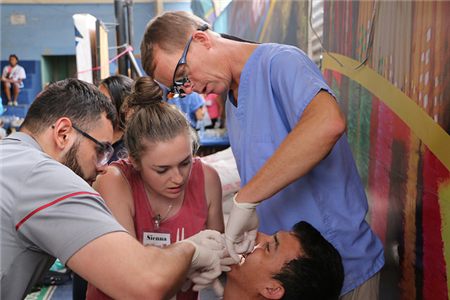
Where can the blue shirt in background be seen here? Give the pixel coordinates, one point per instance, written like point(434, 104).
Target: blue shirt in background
point(189, 105)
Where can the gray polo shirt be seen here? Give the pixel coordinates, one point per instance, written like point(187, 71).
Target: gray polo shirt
point(47, 212)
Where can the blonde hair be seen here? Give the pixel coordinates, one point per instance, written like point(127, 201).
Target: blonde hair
point(152, 120)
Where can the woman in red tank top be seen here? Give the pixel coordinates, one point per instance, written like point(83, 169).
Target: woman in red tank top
point(161, 193)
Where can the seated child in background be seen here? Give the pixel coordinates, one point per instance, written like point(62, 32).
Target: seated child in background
point(12, 78)
point(161, 194)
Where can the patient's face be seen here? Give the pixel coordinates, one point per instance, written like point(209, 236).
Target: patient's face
point(268, 257)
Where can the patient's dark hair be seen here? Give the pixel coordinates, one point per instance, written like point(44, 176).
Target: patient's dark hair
point(81, 102)
point(315, 274)
point(152, 120)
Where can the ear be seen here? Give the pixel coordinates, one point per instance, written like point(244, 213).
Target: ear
point(61, 130)
point(134, 163)
point(273, 291)
point(202, 38)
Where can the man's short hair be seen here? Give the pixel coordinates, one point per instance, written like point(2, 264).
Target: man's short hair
point(81, 102)
point(15, 56)
point(169, 32)
point(317, 273)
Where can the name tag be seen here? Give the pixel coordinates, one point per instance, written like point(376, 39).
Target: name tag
point(158, 239)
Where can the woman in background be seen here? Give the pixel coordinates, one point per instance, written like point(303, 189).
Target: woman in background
point(117, 88)
point(161, 193)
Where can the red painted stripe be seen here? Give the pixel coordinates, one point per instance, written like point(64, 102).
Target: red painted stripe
point(338, 77)
point(434, 266)
point(382, 170)
point(50, 204)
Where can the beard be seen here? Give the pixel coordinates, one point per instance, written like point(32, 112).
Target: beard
point(70, 160)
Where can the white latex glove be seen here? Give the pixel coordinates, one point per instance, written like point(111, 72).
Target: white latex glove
point(242, 228)
point(203, 277)
point(225, 259)
point(216, 285)
point(225, 263)
point(209, 238)
point(205, 264)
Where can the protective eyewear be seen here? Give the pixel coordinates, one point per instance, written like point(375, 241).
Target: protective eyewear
point(181, 81)
point(104, 150)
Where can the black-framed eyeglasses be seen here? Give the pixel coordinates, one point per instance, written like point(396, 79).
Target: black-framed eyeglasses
point(104, 150)
point(182, 81)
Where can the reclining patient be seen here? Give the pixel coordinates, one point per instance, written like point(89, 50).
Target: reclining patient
point(297, 264)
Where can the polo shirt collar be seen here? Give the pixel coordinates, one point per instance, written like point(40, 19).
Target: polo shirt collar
point(25, 138)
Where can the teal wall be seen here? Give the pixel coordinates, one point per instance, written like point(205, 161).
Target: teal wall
point(49, 28)
point(45, 44)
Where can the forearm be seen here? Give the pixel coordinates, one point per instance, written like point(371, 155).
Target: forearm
point(123, 268)
point(159, 273)
point(213, 190)
point(309, 142)
point(170, 268)
point(215, 220)
point(288, 163)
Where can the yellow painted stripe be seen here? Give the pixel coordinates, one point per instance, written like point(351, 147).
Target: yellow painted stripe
point(209, 13)
point(266, 23)
point(436, 139)
point(408, 264)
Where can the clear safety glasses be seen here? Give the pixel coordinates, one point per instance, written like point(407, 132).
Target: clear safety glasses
point(104, 150)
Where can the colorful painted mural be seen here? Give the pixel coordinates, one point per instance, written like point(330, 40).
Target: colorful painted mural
point(263, 21)
point(398, 111)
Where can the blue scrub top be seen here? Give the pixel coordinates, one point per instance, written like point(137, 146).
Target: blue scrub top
point(276, 85)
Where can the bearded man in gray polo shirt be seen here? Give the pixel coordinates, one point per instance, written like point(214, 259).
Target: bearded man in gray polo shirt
point(49, 210)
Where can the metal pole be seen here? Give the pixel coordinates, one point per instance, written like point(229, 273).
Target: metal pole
point(159, 7)
point(121, 35)
point(130, 19)
point(96, 76)
point(134, 65)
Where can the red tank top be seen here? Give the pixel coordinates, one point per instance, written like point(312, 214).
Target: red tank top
point(189, 220)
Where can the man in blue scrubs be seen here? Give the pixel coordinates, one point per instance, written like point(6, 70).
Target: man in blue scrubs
point(287, 134)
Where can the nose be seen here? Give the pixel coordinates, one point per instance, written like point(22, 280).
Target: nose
point(261, 239)
point(177, 178)
point(188, 89)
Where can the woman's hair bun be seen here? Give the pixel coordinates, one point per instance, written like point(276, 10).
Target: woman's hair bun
point(144, 92)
